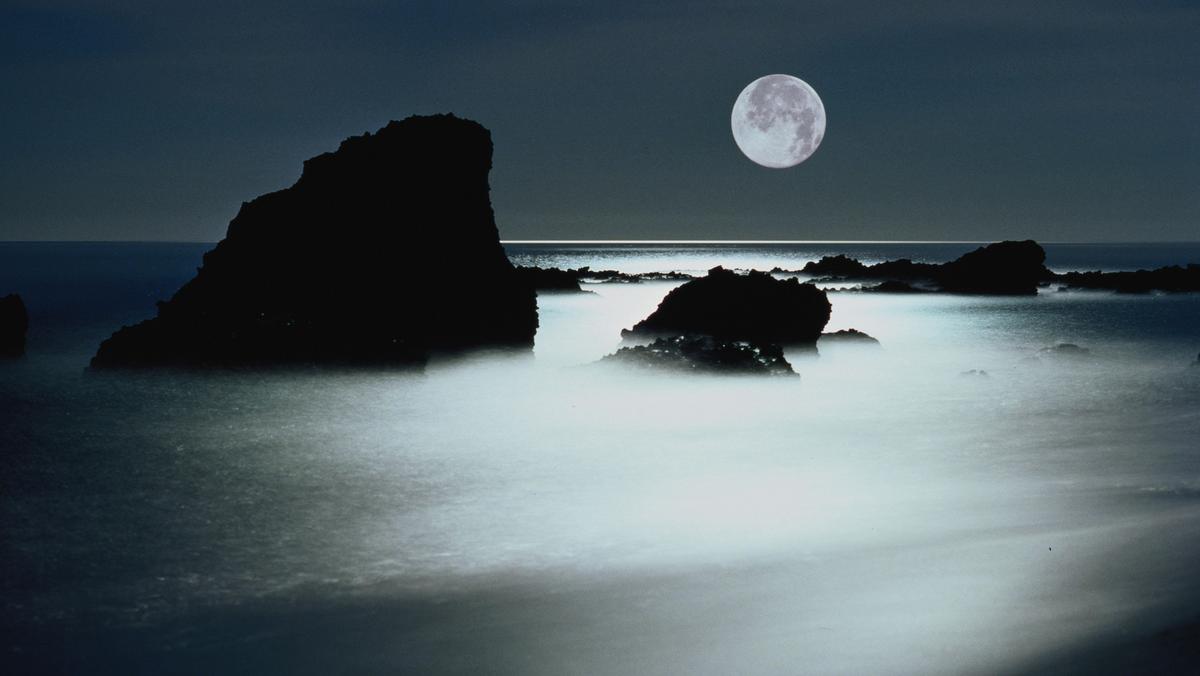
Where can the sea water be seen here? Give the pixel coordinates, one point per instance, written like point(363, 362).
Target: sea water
point(890, 511)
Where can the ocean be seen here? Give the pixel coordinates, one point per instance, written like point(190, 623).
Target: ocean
point(891, 511)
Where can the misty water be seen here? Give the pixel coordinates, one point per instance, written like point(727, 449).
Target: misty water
point(886, 512)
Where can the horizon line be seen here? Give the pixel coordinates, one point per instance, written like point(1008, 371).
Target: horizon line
point(654, 241)
point(743, 241)
point(827, 241)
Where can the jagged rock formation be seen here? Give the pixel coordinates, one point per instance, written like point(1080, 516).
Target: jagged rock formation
point(14, 323)
point(349, 266)
point(754, 307)
point(704, 354)
point(1000, 268)
point(849, 336)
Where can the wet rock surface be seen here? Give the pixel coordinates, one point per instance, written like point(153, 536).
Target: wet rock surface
point(704, 354)
point(352, 265)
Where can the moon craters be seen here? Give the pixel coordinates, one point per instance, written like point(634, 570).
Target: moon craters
point(778, 121)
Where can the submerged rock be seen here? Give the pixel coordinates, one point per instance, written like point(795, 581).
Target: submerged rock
point(754, 307)
point(704, 354)
point(849, 336)
point(1065, 351)
point(351, 265)
point(14, 323)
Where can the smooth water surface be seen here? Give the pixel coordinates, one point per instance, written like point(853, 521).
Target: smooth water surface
point(886, 512)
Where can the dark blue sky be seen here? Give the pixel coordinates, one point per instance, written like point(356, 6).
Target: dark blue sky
point(947, 120)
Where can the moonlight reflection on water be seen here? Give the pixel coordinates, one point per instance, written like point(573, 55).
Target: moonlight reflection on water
point(880, 514)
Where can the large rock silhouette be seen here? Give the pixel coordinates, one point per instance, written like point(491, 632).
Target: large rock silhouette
point(351, 265)
point(754, 307)
point(14, 322)
point(1011, 268)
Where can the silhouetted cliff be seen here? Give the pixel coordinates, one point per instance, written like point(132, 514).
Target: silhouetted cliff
point(351, 265)
point(14, 323)
point(753, 307)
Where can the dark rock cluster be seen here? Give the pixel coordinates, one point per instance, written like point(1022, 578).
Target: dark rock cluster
point(558, 279)
point(1171, 279)
point(753, 307)
point(351, 265)
point(704, 354)
point(14, 323)
point(1001, 268)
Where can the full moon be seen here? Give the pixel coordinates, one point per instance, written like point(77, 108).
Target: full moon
point(778, 121)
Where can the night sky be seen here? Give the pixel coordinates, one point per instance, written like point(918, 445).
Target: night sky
point(1075, 121)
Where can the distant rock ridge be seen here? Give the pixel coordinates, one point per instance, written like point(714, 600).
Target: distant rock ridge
point(999, 268)
point(14, 323)
point(1170, 279)
point(569, 279)
point(1005, 268)
point(351, 265)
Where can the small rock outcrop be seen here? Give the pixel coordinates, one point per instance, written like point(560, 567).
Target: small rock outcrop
point(14, 323)
point(351, 265)
point(704, 354)
point(849, 337)
point(1003, 268)
point(754, 307)
point(833, 266)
